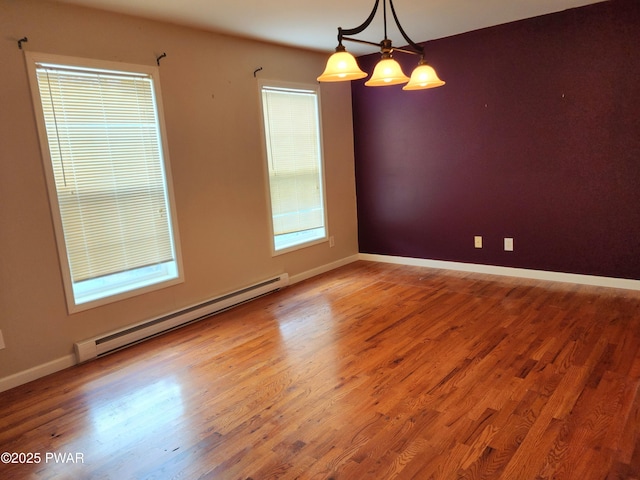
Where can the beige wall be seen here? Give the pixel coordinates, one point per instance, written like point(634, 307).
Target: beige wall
point(213, 126)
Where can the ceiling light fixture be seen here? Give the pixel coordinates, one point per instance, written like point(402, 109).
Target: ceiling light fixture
point(342, 66)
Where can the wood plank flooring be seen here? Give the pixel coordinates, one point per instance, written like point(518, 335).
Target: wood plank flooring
point(371, 371)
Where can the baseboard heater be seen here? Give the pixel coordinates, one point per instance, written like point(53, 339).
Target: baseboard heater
point(119, 339)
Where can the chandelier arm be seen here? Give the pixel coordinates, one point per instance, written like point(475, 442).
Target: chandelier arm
point(419, 49)
point(360, 28)
point(365, 42)
point(404, 50)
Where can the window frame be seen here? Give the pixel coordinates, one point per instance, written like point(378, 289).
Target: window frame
point(176, 276)
point(299, 87)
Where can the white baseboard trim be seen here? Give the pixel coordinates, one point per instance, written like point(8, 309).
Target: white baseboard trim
point(594, 280)
point(324, 268)
point(36, 372)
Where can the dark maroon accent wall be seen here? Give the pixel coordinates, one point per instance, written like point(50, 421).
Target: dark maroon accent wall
point(535, 136)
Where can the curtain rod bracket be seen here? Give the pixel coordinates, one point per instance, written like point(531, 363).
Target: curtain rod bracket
point(164, 54)
point(21, 41)
point(256, 71)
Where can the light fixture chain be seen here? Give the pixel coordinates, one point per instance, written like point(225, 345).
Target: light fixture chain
point(384, 15)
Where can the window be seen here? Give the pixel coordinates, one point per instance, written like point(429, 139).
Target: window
point(107, 170)
point(294, 160)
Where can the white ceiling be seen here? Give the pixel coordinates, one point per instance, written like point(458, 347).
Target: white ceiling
point(313, 25)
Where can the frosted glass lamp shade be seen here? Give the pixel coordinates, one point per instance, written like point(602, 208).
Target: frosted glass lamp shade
point(423, 76)
point(341, 67)
point(387, 72)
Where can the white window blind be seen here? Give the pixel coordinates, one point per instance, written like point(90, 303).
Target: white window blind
point(106, 155)
point(292, 136)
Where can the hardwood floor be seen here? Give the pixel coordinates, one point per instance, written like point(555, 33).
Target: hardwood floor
point(371, 371)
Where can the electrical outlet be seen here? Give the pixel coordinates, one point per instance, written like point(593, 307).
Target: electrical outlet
point(332, 242)
point(477, 241)
point(508, 244)
point(2, 345)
